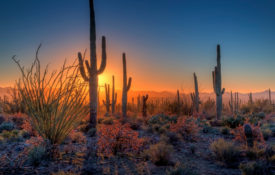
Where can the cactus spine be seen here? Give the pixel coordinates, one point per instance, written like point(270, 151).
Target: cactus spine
point(114, 96)
point(107, 98)
point(92, 72)
point(126, 87)
point(195, 96)
point(144, 105)
point(217, 84)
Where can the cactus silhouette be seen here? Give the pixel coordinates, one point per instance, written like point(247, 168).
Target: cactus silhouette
point(114, 96)
point(106, 102)
point(217, 84)
point(178, 102)
point(144, 105)
point(269, 96)
point(126, 87)
point(231, 103)
point(236, 102)
point(249, 135)
point(195, 95)
point(92, 72)
point(250, 101)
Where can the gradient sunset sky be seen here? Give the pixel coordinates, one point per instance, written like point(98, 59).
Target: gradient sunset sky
point(165, 40)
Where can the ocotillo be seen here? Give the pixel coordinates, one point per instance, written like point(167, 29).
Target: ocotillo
point(217, 84)
point(144, 105)
point(114, 97)
point(126, 87)
point(92, 72)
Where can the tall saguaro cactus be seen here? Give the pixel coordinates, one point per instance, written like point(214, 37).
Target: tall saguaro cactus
point(195, 96)
point(114, 96)
point(269, 96)
point(106, 102)
point(126, 87)
point(178, 102)
point(144, 105)
point(250, 100)
point(217, 84)
point(231, 103)
point(92, 71)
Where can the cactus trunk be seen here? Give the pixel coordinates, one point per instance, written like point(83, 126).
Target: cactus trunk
point(144, 105)
point(107, 99)
point(178, 102)
point(195, 96)
point(92, 72)
point(126, 87)
point(217, 84)
point(114, 97)
point(269, 96)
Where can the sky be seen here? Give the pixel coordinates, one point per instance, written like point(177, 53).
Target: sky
point(165, 41)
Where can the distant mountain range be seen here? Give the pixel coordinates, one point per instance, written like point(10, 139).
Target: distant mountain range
point(171, 95)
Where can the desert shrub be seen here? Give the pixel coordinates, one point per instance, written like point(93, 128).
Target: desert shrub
point(77, 137)
point(108, 121)
point(54, 101)
point(225, 152)
point(118, 138)
point(160, 153)
point(225, 130)
point(256, 168)
point(8, 126)
point(36, 155)
point(63, 173)
point(233, 122)
point(181, 169)
point(209, 105)
point(186, 127)
point(173, 138)
point(18, 120)
point(160, 123)
point(266, 133)
point(258, 140)
point(11, 136)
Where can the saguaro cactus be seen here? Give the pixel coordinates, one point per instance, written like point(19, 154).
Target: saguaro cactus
point(138, 103)
point(217, 84)
point(231, 103)
point(144, 105)
point(269, 96)
point(126, 87)
point(92, 72)
point(249, 135)
point(114, 97)
point(236, 102)
point(107, 98)
point(195, 96)
point(178, 102)
point(250, 100)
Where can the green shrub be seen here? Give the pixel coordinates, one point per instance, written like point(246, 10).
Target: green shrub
point(225, 131)
point(233, 122)
point(255, 168)
point(55, 102)
point(8, 126)
point(181, 169)
point(225, 152)
point(266, 133)
point(37, 155)
point(160, 153)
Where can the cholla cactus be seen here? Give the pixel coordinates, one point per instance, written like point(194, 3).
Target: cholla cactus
point(126, 87)
point(195, 96)
point(92, 71)
point(107, 98)
point(144, 105)
point(217, 84)
point(114, 97)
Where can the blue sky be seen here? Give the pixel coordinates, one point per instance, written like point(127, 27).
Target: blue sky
point(165, 40)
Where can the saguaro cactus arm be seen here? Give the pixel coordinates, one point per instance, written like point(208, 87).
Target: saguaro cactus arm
point(129, 83)
point(104, 56)
point(81, 67)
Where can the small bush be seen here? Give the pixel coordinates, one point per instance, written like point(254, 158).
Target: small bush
point(186, 127)
point(77, 137)
point(37, 155)
point(225, 131)
point(108, 121)
point(181, 169)
point(225, 152)
point(118, 138)
point(266, 133)
point(256, 168)
point(160, 153)
point(8, 126)
point(233, 122)
point(2, 119)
